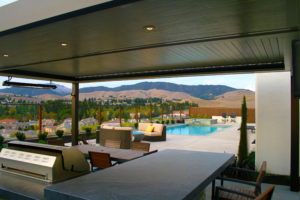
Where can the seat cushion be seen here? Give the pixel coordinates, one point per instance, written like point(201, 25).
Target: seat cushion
point(158, 127)
point(153, 133)
point(143, 126)
point(149, 129)
point(107, 127)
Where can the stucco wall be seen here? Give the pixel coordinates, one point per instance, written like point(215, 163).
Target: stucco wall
point(273, 119)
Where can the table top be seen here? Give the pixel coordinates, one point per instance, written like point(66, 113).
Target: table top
point(168, 174)
point(120, 155)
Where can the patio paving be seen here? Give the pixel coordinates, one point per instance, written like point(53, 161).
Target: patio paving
point(224, 141)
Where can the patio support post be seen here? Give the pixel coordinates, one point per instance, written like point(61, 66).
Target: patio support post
point(180, 112)
point(171, 112)
point(99, 115)
point(40, 118)
point(75, 111)
point(120, 115)
point(162, 113)
point(150, 113)
point(136, 114)
point(294, 185)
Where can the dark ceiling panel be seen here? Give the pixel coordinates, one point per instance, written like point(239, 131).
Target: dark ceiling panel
point(188, 33)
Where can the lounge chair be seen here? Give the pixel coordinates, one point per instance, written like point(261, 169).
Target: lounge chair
point(224, 117)
point(232, 117)
point(157, 134)
point(100, 160)
point(56, 142)
point(112, 143)
point(234, 192)
point(122, 134)
point(140, 146)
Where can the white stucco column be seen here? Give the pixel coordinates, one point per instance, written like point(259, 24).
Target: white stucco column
point(273, 121)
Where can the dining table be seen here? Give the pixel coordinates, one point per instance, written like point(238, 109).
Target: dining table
point(118, 155)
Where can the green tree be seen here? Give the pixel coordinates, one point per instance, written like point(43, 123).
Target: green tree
point(243, 145)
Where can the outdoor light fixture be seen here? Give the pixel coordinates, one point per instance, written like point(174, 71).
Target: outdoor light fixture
point(149, 28)
point(63, 44)
point(28, 85)
point(5, 55)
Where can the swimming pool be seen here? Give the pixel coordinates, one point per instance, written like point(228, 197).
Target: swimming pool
point(194, 130)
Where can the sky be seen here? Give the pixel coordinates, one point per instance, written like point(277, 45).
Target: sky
point(239, 81)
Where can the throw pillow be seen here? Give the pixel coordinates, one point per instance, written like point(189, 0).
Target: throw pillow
point(149, 129)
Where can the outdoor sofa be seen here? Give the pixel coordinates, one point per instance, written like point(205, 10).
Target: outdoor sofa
point(157, 134)
point(122, 134)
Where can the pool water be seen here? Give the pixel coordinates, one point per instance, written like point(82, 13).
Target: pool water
point(194, 130)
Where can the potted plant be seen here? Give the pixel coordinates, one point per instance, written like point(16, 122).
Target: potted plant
point(42, 138)
point(167, 121)
point(20, 136)
point(172, 121)
point(59, 134)
point(1, 142)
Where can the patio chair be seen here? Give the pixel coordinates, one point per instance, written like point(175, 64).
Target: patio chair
point(234, 192)
point(100, 160)
point(112, 144)
point(84, 139)
point(142, 146)
point(56, 142)
point(232, 117)
point(266, 195)
point(224, 117)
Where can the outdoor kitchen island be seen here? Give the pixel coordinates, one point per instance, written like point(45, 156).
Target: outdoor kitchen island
point(168, 174)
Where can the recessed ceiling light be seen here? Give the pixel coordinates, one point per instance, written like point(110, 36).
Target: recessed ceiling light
point(5, 55)
point(149, 28)
point(63, 44)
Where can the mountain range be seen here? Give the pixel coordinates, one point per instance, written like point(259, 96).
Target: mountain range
point(207, 92)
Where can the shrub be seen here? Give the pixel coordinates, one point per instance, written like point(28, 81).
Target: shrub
point(167, 121)
point(20, 136)
point(243, 145)
point(88, 131)
point(157, 122)
point(42, 137)
point(162, 122)
point(205, 116)
point(136, 125)
point(1, 142)
point(172, 121)
point(59, 133)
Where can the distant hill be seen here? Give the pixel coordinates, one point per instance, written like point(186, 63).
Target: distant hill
point(60, 90)
point(231, 99)
point(207, 92)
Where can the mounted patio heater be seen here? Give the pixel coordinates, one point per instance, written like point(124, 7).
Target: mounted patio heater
point(28, 85)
